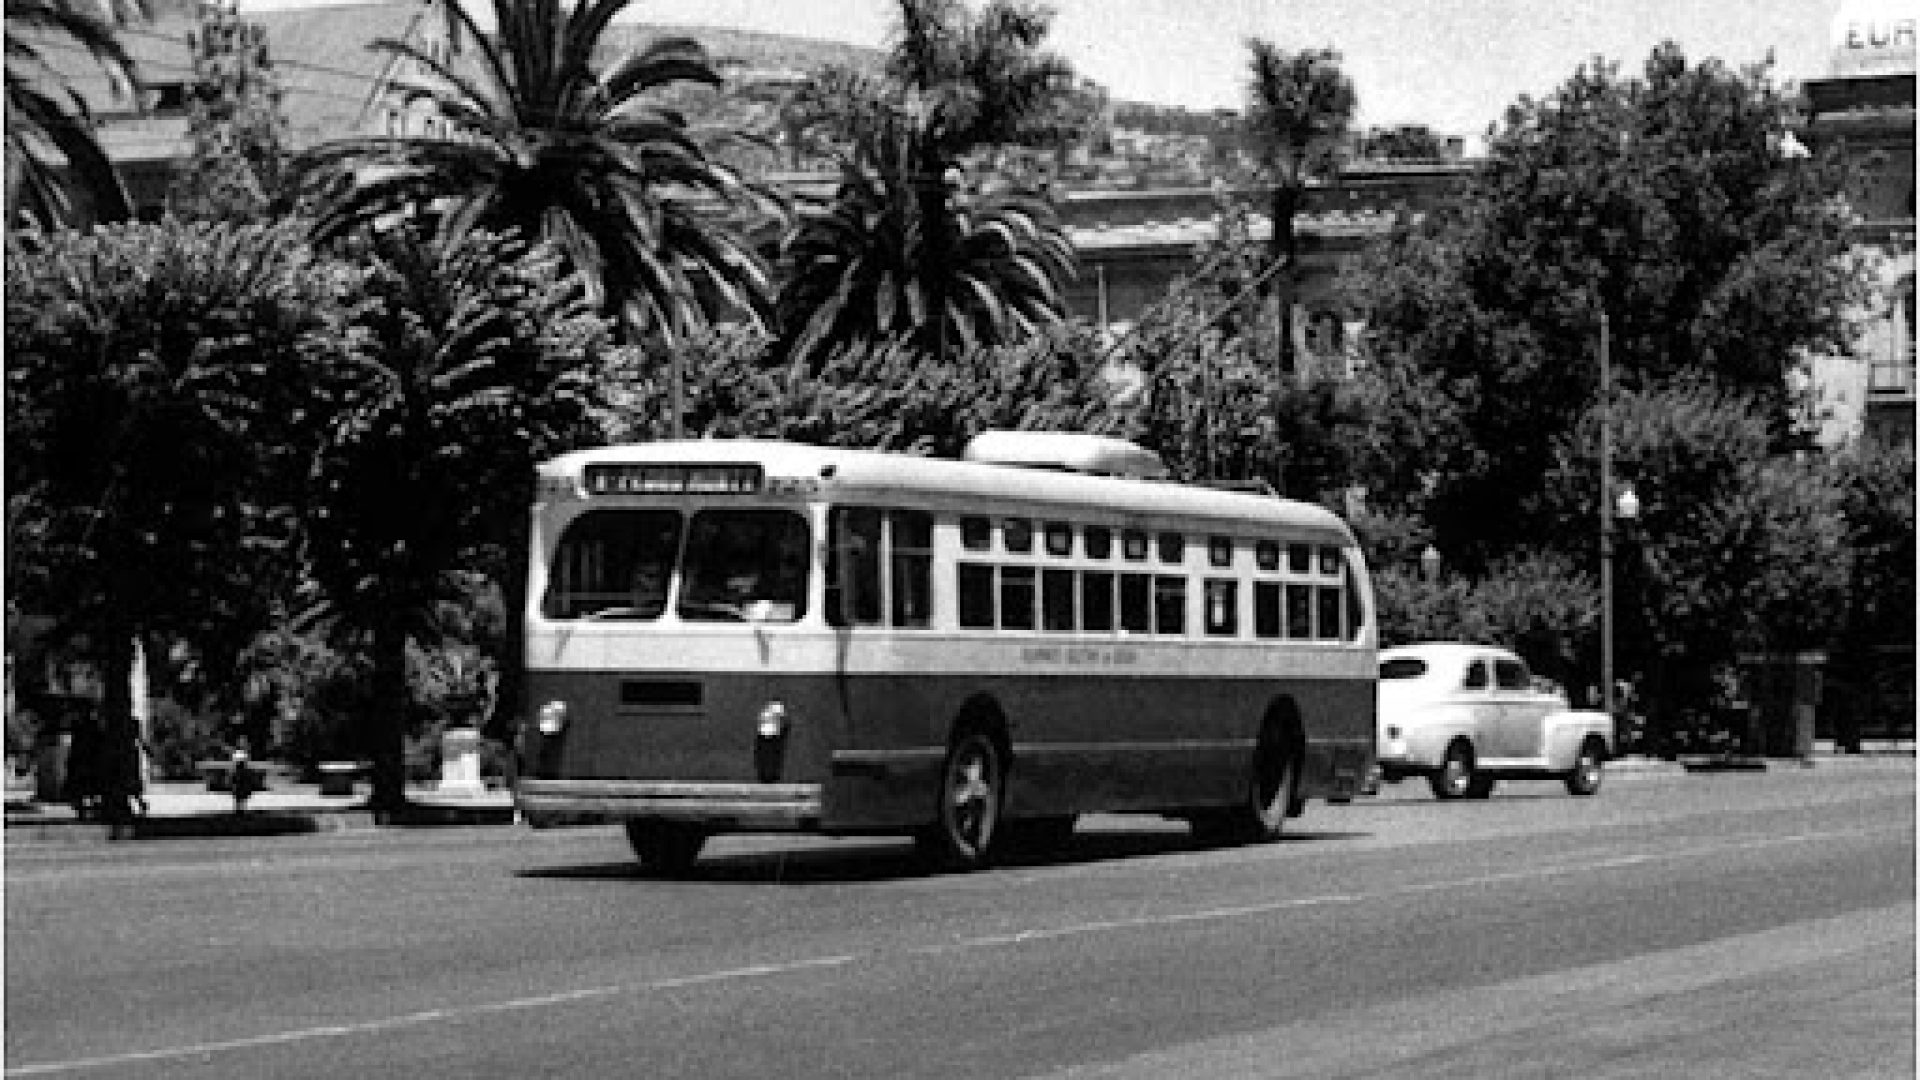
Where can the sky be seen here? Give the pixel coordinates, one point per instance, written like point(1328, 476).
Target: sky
point(1453, 65)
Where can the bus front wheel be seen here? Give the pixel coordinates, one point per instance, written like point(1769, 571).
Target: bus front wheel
point(667, 847)
point(972, 786)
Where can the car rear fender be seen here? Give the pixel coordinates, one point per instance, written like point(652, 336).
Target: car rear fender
point(1568, 728)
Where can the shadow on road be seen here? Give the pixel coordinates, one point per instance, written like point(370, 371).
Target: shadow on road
point(888, 862)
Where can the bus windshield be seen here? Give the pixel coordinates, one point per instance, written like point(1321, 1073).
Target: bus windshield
point(740, 564)
point(613, 564)
point(746, 563)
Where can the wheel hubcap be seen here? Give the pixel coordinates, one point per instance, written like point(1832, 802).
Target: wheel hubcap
point(972, 799)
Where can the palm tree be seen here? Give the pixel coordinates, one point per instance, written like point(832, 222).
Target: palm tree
point(900, 254)
point(470, 361)
point(1300, 109)
point(544, 143)
point(902, 249)
point(52, 155)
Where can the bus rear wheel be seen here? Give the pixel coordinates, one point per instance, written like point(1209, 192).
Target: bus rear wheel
point(1272, 794)
point(667, 847)
point(972, 787)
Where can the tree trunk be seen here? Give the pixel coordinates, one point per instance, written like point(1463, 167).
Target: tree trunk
point(391, 705)
point(118, 767)
point(1285, 246)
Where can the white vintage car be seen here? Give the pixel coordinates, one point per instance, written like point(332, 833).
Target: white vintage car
point(1465, 716)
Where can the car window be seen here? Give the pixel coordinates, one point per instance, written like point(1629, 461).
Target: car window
point(1476, 676)
point(1402, 667)
point(1511, 674)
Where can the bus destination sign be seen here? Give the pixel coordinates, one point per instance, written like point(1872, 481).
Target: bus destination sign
point(647, 478)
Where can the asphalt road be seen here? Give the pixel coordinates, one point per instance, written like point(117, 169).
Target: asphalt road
point(1738, 925)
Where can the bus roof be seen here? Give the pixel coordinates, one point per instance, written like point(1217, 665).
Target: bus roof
point(877, 475)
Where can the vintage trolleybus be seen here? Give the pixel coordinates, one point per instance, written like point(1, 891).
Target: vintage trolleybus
point(730, 636)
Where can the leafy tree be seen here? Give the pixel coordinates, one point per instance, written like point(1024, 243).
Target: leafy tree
point(237, 168)
point(52, 155)
point(1734, 551)
point(1213, 408)
point(877, 396)
point(152, 422)
point(902, 249)
point(546, 143)
point(1299, 112)
point(1661, 202)
point(471, 360)
point(1867, 675)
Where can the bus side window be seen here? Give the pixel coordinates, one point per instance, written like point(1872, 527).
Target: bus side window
point(1169, 604)
point(1136, 603)
point(1356, 615)
point(1096, 602)
point(1223, 607)
point(1056, 600)
point(1266, 609)
point(1299, 610)
point(854, 566)
point(976, 596)
point(910, 534)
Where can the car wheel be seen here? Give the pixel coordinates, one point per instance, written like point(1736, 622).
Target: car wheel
point(1456, 773)
point(972, 786)
point(667, 847)
point(1585, 777)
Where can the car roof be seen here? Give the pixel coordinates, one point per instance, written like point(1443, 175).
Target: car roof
point(1446, 655)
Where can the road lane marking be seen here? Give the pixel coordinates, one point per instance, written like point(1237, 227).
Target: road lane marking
point(1018, 937)
point(423, 1017)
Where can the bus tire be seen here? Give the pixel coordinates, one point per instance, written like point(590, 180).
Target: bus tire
point(1584, 779)
point(1272, 792)
point(666, 847)
point(973, 784)
point(1455, 778)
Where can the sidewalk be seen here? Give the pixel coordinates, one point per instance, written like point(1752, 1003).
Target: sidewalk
point(284, 808)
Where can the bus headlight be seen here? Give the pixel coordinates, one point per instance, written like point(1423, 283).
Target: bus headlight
point(773, 719)
point(552, 717)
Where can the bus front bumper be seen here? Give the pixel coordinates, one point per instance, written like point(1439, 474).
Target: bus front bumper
point(722, 807)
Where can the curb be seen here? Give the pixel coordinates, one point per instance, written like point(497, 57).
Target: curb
point(25, 828)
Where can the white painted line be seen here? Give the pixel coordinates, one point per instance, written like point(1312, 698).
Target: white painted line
point(417, 1019)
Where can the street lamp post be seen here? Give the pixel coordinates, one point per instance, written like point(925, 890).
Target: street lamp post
point(1626, 507)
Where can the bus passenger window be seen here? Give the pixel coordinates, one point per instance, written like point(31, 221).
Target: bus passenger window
point(1299, 610)
point(1220, 551)
point(1134, 545)
point(1099, 542)
point(1136, 603)
point(1266, 609)
point(1056, 600)
point(1096, 603)
point(976, 596)
point(976, 533)
point(1328, 624)
point(1059, 539)
point(1173, 547)
point(1016, 597)
point(1329, 561)
point(911, 537)
point(1169, 605)
point(1300, 558)
point(1355, 616)
point(1266, 554)
point(854, 565)
point(1223, 608)
point(1017, 535)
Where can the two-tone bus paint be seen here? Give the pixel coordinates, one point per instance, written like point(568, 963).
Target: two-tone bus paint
point(746, 636)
